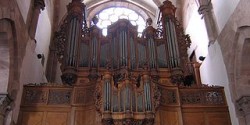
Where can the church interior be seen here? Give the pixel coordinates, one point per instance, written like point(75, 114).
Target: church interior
point(124, 62)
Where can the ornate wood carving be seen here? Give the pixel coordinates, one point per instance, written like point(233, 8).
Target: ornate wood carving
point(59, 97)
point(203, 96)
point(35, 96)
point(122, 79)
point(169, 97)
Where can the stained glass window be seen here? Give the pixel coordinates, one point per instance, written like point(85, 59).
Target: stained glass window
point(109, 16)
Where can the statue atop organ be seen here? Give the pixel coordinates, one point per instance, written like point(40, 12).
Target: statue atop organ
point(127, 79)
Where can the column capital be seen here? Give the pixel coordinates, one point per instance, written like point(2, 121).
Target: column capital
point(243, 105)
point(39, 4)
point(5, 102)
point(205, 8)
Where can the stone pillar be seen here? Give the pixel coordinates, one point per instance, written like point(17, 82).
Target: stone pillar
point(205, 9)
point(38, 6)
point(243, 106)
point(4, 106)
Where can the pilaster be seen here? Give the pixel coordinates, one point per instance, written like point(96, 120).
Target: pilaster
point(38, 6)
point(205, 9)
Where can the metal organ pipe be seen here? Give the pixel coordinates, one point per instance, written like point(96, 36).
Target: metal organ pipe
point(94, 52)
point(152, 53)
point(123, 48)
point(107, 93)
point(147, 95)
point(170, 48)
point(175, 46)
point(132, 54)
point(172, 43)
point(67, 61)
point(105, 96)
point(126, 48)
point(76, 43)
point(71, 42)
point(74, 26)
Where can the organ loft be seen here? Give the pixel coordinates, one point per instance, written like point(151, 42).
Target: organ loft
point(124, 78)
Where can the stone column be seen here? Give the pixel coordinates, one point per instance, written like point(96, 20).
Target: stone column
point(205, 9)
point(243, 105)
point(4, 106)
point(38, 6)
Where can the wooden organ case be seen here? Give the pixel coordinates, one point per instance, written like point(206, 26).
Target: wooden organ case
point(123, 79)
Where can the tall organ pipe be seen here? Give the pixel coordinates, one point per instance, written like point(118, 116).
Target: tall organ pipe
point(75, 19)
point(107, 92)
point(94, 46)
point(150, 34)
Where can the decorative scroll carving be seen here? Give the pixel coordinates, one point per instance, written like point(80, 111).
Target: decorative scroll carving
point(128, 122)
point(129, 99)
point(210, 96)
point(157, 96)
point(93, 75)
point(46, 94)
point(177, 76)
point(59, 97)
point(60, 41)
point(69, 77)
point(35, 96)
point(98, 97)
point(191, 98)
point(169, 96)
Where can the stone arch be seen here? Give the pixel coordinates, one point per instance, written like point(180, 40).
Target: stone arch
point(240, 61)
point(96, 9)
point(9, 69)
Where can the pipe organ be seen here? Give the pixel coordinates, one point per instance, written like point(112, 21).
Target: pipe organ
point(123, 79)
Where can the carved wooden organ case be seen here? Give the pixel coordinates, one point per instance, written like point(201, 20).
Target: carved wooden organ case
point(130, 80)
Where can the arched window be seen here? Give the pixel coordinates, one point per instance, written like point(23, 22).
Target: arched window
point(110, 15)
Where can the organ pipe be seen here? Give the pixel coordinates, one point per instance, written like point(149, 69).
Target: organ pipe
point(150, 33)
point(107, 92)
point(73, 36)
point(94, 48)
point(176, 42)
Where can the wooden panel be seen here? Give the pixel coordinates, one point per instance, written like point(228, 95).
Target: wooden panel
point(32, 118)
point(218, 118)
point(157, 118)
point(87, 117)
point(56, 118)
point(194, 119)
point(169, 117)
